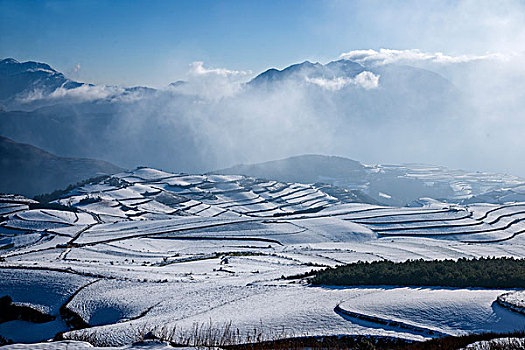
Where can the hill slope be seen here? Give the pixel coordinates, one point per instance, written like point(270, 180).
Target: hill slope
point(28, 170)
point(147, 249)
point(306, 168)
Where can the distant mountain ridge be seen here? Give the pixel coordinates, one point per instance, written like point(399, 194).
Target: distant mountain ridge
point(312, 70)
point(343, 103)
point(28, 170)
point(21, 78)
point(23, 82)
point(308, 168)
point(400, 76)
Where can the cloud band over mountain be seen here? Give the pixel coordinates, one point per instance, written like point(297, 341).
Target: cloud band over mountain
point(375, 106)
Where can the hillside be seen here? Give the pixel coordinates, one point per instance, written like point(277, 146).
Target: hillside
point(150, 250)
point(29, 170)
point(306, 168)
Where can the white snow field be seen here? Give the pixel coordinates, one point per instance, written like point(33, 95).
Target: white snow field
point(150, 250)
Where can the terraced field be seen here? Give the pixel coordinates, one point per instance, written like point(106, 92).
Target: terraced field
point(467, 186)
point(146, 249)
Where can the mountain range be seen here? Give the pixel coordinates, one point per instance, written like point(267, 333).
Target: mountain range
point(304, 108)
point(198, 126)
point(23, 78)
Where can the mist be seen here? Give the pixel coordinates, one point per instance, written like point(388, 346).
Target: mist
point(476, 123)
point(396, 106)
point(439, 83)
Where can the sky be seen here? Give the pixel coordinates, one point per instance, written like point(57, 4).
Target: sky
point(478, 46)
point(153, 43)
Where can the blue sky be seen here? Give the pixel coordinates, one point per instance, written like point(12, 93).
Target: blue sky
point(154, 42)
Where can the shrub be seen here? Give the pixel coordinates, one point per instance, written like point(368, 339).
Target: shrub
point(4, 341)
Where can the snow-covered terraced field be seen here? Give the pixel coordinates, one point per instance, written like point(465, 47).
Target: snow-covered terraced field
point(494, 188)
point(146, 249)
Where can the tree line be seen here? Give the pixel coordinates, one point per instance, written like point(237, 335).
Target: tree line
point(481, 272)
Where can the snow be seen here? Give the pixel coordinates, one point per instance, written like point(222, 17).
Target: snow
point(514, 301)
point(43, 290)
point(451, 311)
point(384, 195)
point(480, 186)
point(27, 332)
point(8, 208)
point(162, 249)
point(47, 289)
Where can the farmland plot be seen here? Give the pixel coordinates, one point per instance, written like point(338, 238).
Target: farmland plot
point(146, 249)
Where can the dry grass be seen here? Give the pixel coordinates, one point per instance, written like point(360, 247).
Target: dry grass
point(209, 335)
point(460, 342)
point(203, 335)
point(226, 336)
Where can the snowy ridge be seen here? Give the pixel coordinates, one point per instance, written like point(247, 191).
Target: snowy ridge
point(391, 323)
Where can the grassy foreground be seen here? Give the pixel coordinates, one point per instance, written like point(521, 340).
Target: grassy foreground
point(492, 341)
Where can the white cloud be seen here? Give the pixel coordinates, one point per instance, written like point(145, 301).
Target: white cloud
point(212, 83)
point(366, 80)
point(82, 93)
point(87, 92)
point(197, 68)
point(389, 56)
point(330, 84)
